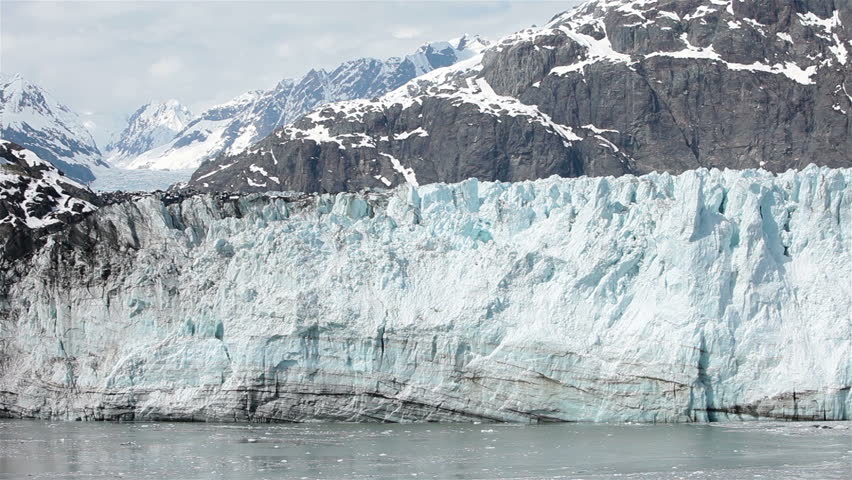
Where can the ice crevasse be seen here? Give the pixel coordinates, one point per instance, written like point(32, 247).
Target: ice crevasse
point(712, 295)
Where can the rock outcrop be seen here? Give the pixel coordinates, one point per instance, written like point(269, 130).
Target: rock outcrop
point(35, 200)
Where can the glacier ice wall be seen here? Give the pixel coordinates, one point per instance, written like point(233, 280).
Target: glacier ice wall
point(705, 296)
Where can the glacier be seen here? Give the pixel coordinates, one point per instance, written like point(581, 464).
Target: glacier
point(707, 296)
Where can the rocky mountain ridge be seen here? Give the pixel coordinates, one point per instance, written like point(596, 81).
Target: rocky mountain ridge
point(231, 127)
point(609, 88)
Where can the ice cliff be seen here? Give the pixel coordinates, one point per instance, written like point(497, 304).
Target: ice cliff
point(711, 295)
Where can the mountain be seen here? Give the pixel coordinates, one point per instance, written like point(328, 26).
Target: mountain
point(712, 295)
point(34, 195)
point(231, 127)
point(609, 88)
point(149, 127)
point(31, 117)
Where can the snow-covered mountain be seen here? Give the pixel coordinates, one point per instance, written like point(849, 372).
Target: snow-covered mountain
point(608, 88)
point(152, 125)
point(31, 117)
point(233, 126)
point(712, 295)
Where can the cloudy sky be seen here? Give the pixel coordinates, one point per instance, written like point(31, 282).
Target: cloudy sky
point(105, 59)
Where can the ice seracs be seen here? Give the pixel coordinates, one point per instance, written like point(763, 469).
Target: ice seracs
point(711, 295)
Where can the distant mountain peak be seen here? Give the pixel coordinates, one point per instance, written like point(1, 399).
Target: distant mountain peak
point(152, 125)
point(473, 43)
point(432, 55)
point(32, 118)
point(12, 80)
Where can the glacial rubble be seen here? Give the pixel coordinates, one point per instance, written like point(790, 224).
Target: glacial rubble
point(711, 295)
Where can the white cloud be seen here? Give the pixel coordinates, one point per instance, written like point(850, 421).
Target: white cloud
point(328, 43)
point(165, 67)
point(7, 42)
point(90, 125)
point(285, 50)
point(406, 33)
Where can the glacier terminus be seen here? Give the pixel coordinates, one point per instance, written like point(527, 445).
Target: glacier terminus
point(709, 295)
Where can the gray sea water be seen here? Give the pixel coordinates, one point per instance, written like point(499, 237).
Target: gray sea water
point(75, 450)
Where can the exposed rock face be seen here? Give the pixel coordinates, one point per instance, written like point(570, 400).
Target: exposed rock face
point(232, 127)
point(35, 199)
point(30, 117)
point(707, 296)
point(609, 88)
point(150, 126)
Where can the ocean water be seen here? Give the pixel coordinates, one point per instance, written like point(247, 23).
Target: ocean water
point(78, 450)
